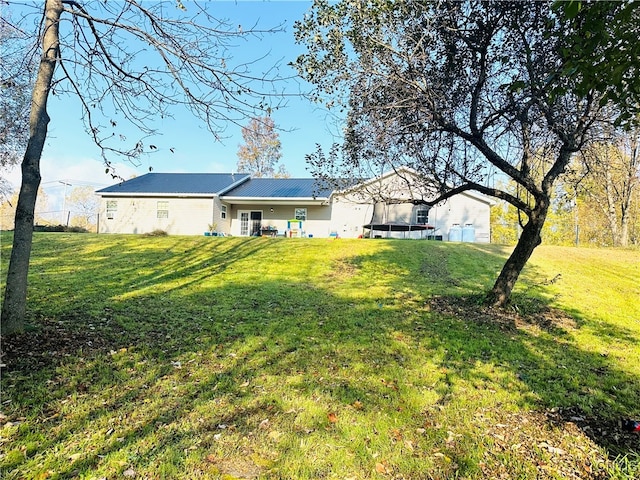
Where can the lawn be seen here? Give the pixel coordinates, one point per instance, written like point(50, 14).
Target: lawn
point(229, 358)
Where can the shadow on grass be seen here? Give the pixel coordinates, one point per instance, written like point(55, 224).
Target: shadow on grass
point(533, 340)
point(183, 350)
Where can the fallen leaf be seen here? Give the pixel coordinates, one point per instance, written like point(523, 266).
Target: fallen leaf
point(557, 451)
point(357, 405)
point(264, 424)
point(211, 458)
point(129, 472)
point(450, 437)
point(442, 456)
point(381, 468)
point(333, 418)
point(551, 449)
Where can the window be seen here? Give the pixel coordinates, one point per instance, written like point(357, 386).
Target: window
point(112, 208)
point(422, 216)
point(300, 214)
point(223, 212)
point(163, 209)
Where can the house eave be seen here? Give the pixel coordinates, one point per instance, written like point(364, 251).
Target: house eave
point(480, 197)
point(275, 200)
point(157, 194)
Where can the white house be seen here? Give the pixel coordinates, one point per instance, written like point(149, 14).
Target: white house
point(236, 204)
point(390, 206)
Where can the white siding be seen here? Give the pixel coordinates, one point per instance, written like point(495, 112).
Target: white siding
point(462, 210)
point(351, 211)
point(186, 216)
point(223, 225)
point(348, 215)
point(317, 223)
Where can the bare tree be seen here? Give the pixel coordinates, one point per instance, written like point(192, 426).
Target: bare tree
point(16, 75)
point(82, 204)
point(130, 63)
point(459, 92)
point(611, 173)
point(6, 189)
point(261, 150)
point(8, 211)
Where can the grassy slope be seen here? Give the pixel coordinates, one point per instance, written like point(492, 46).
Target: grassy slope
point(291, 358)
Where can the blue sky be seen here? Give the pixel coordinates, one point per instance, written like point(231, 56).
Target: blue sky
point(71, 157)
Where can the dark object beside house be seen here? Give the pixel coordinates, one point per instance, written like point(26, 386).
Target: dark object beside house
point(630, 425)
point(398, 227)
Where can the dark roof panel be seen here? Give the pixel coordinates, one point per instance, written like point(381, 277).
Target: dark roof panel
point(280, 188)
point(178, 183)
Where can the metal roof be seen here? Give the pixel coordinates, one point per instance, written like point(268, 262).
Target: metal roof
point(178, 183)
point(279, 188)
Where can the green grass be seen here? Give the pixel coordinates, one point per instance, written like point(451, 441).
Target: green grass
point(194, 357)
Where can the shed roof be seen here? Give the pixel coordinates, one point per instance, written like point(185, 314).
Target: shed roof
point(178, 183)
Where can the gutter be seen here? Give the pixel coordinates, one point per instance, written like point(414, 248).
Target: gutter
point(158, 194)
point(236, 200)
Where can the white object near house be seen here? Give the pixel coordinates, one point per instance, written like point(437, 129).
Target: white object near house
point(390, 206)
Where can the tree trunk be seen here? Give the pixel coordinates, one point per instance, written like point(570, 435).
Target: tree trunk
point(624, 222)
point(630, 184)
point(529, 239)
point(612, 216)
point(15, 297)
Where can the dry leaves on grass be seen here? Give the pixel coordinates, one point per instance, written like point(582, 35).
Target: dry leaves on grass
point(573, 440)
point(52, 343)
point(472, 309)
point(383, 467)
